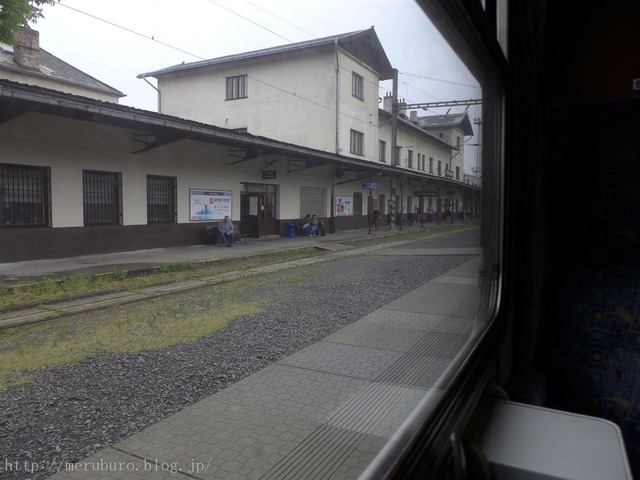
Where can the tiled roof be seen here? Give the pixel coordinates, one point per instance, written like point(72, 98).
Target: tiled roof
point(363, 44)
point(53, 68)
point(460, 120)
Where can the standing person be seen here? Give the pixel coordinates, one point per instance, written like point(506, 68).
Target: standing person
point(225, 230)
point(375, 217)
point(313, 225)
point(430, 215)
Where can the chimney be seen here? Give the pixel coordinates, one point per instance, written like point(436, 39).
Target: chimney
point(413, 116)
point(402, 108)
point(26, 51)
point(387, 104)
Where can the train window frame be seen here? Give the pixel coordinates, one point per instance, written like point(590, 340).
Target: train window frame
point(427, 445)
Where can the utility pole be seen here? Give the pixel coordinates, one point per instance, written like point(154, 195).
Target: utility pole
point(478, 121)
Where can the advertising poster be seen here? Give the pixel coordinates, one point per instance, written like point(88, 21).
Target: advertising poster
point(208, 205)
point(344, 206)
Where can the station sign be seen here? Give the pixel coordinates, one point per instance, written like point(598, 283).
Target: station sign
point(370, 186)
point(428, 193)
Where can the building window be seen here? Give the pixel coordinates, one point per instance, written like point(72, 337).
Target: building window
point(236, 87)
point(439, 167)
point(430, 164)
point(161, 199)
point(457, 173)
point(102, 192)
point(410, 158)
point(357, 142)
point(357, 86)
point(24, 196)
point(383, 151)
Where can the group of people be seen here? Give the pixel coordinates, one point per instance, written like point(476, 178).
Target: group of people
point(311, 226)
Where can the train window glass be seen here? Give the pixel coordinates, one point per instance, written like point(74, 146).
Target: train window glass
point(422, 443)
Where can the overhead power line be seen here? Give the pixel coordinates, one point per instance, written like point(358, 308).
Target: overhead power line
point(415, 75)
point(280, 18)
point(153, 39)
point(131, 31)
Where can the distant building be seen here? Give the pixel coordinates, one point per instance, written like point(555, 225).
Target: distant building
point(27, 63)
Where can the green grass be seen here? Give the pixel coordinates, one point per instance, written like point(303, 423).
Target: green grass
point(51, 289)
point(144, 325)
point(131, 328)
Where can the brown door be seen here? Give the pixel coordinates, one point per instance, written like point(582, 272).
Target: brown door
point(258, 214)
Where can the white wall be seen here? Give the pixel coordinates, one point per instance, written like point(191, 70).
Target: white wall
point(286, 99)
point(68, 147)
point(290, 97)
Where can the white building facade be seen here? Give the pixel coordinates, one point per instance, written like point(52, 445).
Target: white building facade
point(324, 94)
point(263, 137)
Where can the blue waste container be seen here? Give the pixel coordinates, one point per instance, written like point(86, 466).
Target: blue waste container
point(290, 229)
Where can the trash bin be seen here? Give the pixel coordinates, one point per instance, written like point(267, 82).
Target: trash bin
point(290, 229)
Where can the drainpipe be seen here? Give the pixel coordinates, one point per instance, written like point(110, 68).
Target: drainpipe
point(395, 156)
point(337, 100)
point(333, 188)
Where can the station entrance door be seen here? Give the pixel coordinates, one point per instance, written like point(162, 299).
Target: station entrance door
point(258, 212)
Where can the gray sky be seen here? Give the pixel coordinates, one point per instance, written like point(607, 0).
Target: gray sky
point(115, 40)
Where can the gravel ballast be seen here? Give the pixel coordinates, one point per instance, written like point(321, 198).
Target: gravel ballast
point(72, 411)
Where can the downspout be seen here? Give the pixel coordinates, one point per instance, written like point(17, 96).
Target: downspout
point(337, 100)
point(333, 188)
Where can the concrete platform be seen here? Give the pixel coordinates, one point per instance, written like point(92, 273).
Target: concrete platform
point(323, 412)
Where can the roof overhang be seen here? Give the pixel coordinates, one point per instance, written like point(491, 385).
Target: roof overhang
point(18, 99)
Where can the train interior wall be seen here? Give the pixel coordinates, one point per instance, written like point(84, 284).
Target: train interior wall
point(581, 222)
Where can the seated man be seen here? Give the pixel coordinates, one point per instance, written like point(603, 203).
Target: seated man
point(225, 230)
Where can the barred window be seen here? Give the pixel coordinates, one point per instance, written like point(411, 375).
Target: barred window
point(161, 199)
point(357, 142)
point(236, 87)
point(102, 193)
point(357, 86)
point(24, 196)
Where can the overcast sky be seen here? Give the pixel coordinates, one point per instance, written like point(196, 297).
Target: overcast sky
point(115, 40)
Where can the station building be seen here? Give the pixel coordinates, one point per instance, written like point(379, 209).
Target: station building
point(264, 137)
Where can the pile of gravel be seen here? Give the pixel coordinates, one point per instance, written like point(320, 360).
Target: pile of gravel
point(72, 411)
